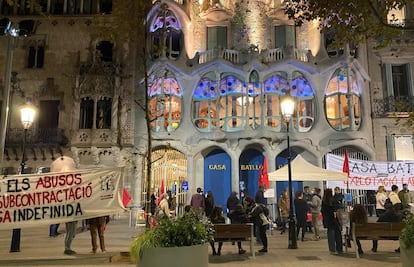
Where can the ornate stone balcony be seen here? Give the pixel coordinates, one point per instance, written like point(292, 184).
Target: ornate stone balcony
point(242, 57)
point(36, 136)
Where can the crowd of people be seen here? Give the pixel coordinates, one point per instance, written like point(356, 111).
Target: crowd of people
point(312, 209)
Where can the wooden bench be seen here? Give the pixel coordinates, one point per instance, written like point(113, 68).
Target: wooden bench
point(376, 231)
point(235, 232)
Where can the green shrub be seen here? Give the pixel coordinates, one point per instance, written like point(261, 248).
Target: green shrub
point(407, 234)
point(187, 230)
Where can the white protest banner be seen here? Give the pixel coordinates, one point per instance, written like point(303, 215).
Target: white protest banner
point(48, 198)
point(368, 175)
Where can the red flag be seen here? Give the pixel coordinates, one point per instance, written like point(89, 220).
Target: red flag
point(162, 187)
point(126, 197)
point(161, 191)
point(263, 175)
point(345, 168)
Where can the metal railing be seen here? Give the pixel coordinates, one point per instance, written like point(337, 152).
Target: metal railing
point(266, 56)
point(56, 136)
point(392, 105)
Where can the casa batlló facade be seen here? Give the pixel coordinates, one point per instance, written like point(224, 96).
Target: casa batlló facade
point(214, 88)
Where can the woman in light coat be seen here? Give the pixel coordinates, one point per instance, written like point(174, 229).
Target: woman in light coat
point(380, 197)
point(164, 207)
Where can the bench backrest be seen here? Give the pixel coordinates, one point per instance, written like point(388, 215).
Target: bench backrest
point(377, 230)
point(233, 231)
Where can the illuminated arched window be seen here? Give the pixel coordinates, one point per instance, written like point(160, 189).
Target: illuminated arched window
point(274, 87)
point(338, 113)
point(302, 92)
point(232, 104)
point(254, 93)
point(166, 35)
point(165, 104)
point(204, 107)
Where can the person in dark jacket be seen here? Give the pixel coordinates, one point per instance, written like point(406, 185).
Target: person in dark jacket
point(232, 202)
point(239, 216)
point(358, 215)
point(153, 204)
point(259, 198)
point(209, 201)
point(393, 213)
point(256, 215)
point(332, 222)
point(301, 208)
point(217, 217)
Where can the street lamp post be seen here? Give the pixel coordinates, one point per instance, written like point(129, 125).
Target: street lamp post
point(287, 105)
point(28, 113)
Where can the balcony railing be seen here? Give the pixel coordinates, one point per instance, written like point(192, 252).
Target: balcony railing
point(393, 106)
point(241, 57)
point(39, 137)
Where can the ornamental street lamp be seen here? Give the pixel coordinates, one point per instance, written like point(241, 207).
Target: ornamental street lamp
point(28, 113)
point(26, 28)
point(287, 105)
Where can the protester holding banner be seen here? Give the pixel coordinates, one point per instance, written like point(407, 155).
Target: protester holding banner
point(97, 227)
point(70, 235)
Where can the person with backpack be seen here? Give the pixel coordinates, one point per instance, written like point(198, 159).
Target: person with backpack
point(257, 216)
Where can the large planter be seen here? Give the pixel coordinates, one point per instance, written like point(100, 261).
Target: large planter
point(406, 255)
point(175, 257)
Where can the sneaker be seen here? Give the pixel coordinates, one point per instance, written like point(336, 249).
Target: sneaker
point(69, 252)
point(242, 251)
point(263, 250)
point(373, 249)
point(397, 250)
point(93, 251)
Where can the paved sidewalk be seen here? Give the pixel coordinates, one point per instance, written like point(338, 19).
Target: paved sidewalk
point(37, 249)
